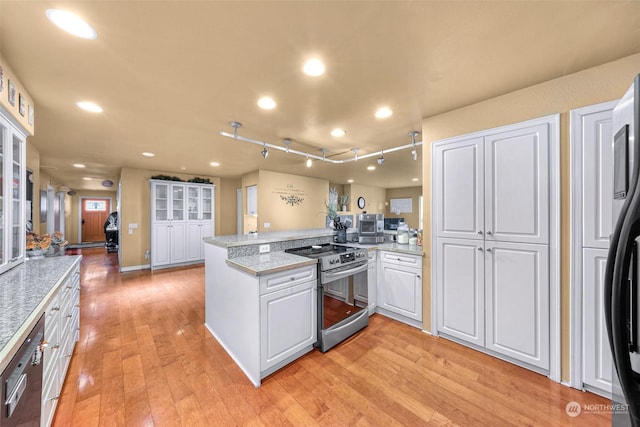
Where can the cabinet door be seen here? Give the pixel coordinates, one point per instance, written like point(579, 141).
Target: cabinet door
point(287, 323)
point(194, 242)
point(401, 290)
point(597, 357)
point(161, 249)
point(178, 242)
point(597, 179)
point(160, 202)
point(517, 185)
point(517, 301)
point(177, 202)
point(460, 289)
point(459, 192)
point(207, 203)
point(193, 203)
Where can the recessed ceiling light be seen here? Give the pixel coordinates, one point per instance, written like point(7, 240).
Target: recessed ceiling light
point(383, 112)
point(266, 103)
point(371, 168)
point(214, 164)
point(78, 165)
point(71, 23)
point(148, 154)
point(415, 179)
point(350, 181)
point(183, 168)
point(338, 132)
point(314, 67)
point(86, 178)
point(90, 106)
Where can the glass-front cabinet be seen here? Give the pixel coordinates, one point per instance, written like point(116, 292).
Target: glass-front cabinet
point(12, 193)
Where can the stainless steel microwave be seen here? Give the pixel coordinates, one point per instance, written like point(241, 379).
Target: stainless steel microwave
point(370, 227)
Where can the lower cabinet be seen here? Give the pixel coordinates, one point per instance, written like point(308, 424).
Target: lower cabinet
point(287, 323)
point(62, 329)
point(195, 233)
point(400, 287)
point(495, 295)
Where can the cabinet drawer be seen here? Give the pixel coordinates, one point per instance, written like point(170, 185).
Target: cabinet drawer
point(273, 282)
point(401, 259)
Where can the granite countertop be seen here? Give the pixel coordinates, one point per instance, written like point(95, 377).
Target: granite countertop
point(393, 247)
point(259, 265)
point(24, 293)
point(268, 237)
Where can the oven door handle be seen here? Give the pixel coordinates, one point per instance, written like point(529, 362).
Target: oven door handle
point(329, 276)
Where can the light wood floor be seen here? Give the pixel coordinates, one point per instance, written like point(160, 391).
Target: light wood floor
point(144, 359)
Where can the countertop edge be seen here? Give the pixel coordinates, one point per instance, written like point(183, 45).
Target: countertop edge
point(12, 347)
point(258, 273)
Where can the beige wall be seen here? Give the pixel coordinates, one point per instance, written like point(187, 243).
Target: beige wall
point(310, 213)
point(374, 197)
point(72, 210)
point(135, 194)
point(228, 216)
point(413, 218)
point(14, 110)
point(595, 85)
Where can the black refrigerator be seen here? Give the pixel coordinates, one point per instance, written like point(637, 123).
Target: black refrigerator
point(622, 273)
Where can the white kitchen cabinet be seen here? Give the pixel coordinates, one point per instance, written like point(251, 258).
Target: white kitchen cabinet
point(400, 287)
point(494, 210)
point(181, 216)
point(460, 274)
point(494, 187)
point(517, 301)
point(252, 200)
point(12, 193)
point(62, 328)
point(287, 323)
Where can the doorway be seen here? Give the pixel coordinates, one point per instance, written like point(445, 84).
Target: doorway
point(93, 214)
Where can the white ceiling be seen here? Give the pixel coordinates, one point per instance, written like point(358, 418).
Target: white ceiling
point(170, 76)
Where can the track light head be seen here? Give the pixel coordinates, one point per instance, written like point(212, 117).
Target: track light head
point(309, 162)
point(414, 153)
point(381, 160)
point(264, 151)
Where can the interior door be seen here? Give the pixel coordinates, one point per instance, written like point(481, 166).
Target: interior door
point(94, 214)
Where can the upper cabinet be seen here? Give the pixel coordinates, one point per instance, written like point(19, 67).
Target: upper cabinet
point(12, 193)
point(495, 187)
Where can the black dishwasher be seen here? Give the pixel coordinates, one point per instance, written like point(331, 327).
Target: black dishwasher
point(21, 381)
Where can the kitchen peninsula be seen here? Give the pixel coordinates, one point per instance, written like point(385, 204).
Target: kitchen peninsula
point(261, 302)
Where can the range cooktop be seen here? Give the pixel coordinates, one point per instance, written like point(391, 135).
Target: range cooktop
point(331, 256)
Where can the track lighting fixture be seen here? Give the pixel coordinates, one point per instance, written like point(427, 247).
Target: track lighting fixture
point(265, 152)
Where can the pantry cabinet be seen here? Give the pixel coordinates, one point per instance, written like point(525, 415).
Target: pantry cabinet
point(12, 193)
point(492, 226)
point(182, 214)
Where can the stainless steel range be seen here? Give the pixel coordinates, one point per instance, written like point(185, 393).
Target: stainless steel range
point(342, 272)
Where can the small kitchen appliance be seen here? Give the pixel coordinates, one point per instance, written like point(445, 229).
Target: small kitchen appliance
point(342, 290)
point(370, 228)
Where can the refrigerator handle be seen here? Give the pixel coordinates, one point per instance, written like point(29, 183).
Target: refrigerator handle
point(632, 295)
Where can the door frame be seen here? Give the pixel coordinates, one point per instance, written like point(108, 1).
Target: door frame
point(80, 202)
point(576, 326)
point(555, 343)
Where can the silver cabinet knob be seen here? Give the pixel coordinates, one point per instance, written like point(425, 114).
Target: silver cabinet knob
point(480, 249)
point(488, 249)
point(480, 232)
point(489, 233)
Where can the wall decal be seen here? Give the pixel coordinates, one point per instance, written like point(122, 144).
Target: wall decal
point(290, 195)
